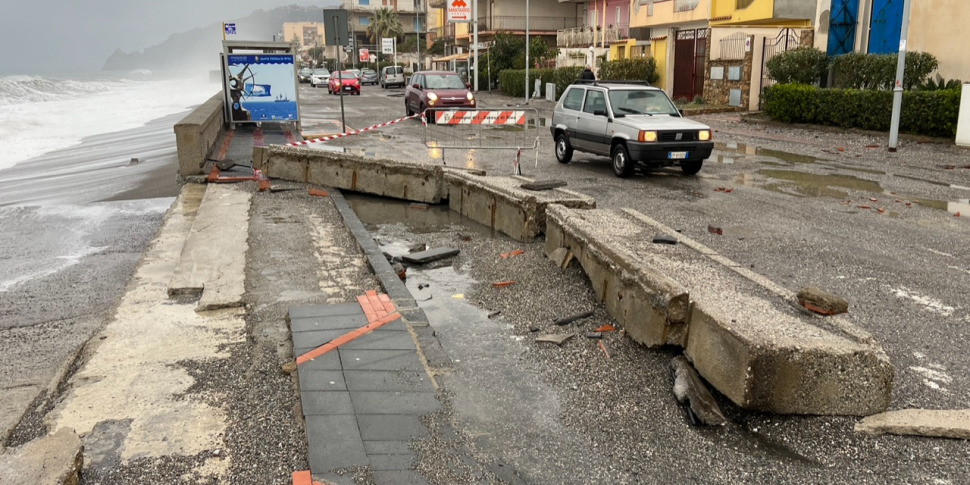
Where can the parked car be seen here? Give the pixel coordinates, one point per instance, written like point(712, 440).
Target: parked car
point(342, 81)
point(436, 89)
point(368, 76)
point(320, 77)
point(304, 74)
point(392, 76)
point(631, 124)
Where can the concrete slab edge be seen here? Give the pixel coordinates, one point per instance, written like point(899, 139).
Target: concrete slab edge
point(429, 348)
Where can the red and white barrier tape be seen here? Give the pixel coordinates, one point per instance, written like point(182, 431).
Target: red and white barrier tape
point(356, 132)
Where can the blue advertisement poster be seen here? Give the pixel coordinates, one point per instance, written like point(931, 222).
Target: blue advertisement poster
point(262, 87)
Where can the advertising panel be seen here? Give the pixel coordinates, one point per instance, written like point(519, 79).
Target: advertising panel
point(459, 11)
point(387, 45)
point(262, 87)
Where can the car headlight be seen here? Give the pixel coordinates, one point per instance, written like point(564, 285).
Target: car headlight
point(704, 135)
point(470, 96)
point(647, 136)
point(432, 97)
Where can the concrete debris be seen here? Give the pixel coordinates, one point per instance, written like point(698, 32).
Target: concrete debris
point(56, 459)
point(417, 248)
point(427, 256)
point(494, 314)
point(594, 335)
point(572, 318)
point(562, 257)
point(664, 240)
point(556, 338)
point(543, 184)
point(821, 302)
point(919, 422)
point(688, 387)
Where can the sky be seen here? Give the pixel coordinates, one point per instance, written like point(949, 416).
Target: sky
point(64, 36)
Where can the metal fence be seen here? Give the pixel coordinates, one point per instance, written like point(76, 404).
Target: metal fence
point(483, 129)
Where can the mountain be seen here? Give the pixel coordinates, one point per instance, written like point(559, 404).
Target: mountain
point(199, 49)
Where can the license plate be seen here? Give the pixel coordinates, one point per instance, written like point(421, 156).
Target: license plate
point(677, 155)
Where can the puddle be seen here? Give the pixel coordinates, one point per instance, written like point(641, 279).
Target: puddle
point(745, 150)
point(816, 185)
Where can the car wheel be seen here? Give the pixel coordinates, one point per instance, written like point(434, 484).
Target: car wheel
point(407, 109)
point(691, 167)
point(622, 165)
point(564, 151)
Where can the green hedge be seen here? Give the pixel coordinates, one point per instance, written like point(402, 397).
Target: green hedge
point(631, 70)
point(878, 71)
point(932, 113)
point(512, 81)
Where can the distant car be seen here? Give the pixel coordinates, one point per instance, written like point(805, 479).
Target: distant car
point(436, 89)
point(368, 76)
point(631, 124)
point(391, 76)
point(320, 77)
point(304, 74)
point(342, 81)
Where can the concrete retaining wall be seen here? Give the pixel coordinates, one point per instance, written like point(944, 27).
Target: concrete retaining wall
point(196, 133)
point(747, 340)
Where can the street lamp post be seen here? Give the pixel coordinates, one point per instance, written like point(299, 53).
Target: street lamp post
point(898, 88)
point(526, 51)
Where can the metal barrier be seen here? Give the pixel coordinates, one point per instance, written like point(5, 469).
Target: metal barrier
point(483, 129)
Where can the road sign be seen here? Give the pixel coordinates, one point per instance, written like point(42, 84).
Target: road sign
point(459, 11)
point(230, 29)
point(335, 26)
point(387, 45)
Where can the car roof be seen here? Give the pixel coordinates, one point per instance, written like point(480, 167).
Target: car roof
point(437, 72)
point(615, 85)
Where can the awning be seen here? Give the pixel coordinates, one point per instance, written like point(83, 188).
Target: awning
point(453, 57)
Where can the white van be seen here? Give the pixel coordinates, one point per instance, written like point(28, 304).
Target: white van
point(392, 76)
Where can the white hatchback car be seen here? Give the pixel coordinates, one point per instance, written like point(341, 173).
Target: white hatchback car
point(320, 77)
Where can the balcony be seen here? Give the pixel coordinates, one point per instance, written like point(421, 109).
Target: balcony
point(516, 23)
point(438, 3)
point(587, 36)
point(448, 31)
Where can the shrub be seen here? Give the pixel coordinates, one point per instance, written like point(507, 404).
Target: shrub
point(512, 81)
point(878, 71)
point(631, 70)
point(932, 113)
point(804, 65)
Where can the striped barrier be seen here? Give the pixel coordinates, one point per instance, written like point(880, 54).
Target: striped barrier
point(356, 132)
point(480, 117)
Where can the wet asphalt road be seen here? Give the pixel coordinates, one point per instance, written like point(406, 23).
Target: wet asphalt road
point(799, 210)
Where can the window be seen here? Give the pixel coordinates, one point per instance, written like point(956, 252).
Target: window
point(595, 101)
point(573, 99)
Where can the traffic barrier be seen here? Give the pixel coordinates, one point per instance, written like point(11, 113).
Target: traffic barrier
point(355, 132)
point(482, 129)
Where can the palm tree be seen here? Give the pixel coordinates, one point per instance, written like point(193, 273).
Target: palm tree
point(385, 23)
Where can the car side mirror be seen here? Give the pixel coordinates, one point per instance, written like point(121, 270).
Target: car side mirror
point(468, 85)
point(599, 112)
point(416, 86)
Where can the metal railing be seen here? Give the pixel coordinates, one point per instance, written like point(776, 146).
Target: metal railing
point(498, 22)
point(586, 36)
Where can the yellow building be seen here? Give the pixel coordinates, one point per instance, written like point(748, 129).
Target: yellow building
point(666, 21)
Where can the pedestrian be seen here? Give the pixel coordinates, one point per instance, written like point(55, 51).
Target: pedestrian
point(536, 93)
point(587, 74)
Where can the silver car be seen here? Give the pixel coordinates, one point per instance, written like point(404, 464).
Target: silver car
point(631, 124)
point(320, 77)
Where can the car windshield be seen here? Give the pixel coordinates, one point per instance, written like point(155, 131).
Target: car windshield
point(368, 71)
point(346, 75)
point(321, 71)
point(641, 102)
point(443, 81)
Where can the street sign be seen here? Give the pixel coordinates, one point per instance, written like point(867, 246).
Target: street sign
point(335, 26)
point(387, 45)
point(459, 11)
point(230, 29)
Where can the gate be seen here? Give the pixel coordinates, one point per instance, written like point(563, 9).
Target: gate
point(481, 129)
point(787, 39)
point(690, 54)
point(845, 16)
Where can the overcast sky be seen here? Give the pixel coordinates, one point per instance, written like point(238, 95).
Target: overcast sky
point(63, 36)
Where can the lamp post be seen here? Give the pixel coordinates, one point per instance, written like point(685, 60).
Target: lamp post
point(898, 88)
point(526, 51)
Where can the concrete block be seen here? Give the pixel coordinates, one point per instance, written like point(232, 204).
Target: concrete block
point(745, 335)
point(502, 204)
point(56, 459)
point(196, 134)
point(293, 168)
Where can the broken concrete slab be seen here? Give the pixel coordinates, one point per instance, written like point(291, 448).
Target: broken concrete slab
point(502, 204)
point(429, 255)
point(543, 184)
point(744, 334)
point(689, 389)
point(937, 423)
point(821, 302)
point(56, 459)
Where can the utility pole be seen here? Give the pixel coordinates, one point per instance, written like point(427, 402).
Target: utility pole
point(527, 51)
point(898, 88)
point(475, 42)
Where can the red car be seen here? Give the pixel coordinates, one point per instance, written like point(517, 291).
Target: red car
point(343, 81)
point(436, 89)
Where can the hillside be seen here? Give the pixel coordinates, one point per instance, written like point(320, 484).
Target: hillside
point(199, 49)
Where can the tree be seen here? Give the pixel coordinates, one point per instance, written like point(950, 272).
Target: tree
point(508, 52)
point(384, 24)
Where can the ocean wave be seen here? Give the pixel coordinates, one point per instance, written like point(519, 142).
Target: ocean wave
point(32, 89)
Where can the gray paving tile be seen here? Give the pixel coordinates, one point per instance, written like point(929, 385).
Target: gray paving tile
point(382, 341)
point(326, 402)
point(321, 380)
point(395, 326)
point(334, 442)
point(316, 338)
point(389, 427)
point(381, 402)
point(391, 462)
point(332, 322)
point(380, 360)
point(416, 381)
point(387, 447)
point(302, 311)
point(334, 478)
point(328, 361)
point(399, 477)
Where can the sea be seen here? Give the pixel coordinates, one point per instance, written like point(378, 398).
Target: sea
point(78, 154)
